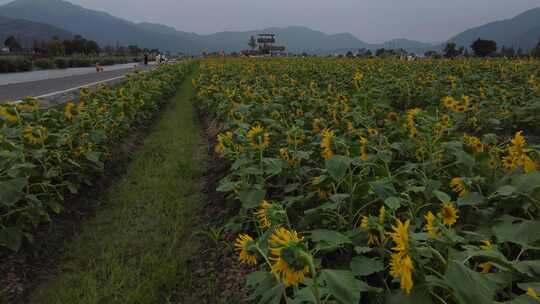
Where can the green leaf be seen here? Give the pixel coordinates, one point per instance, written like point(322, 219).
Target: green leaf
point(272, 166)
point(11, 191)
point(225, 185)
point(11, 238)
point(329, 239)
point(419, 295)
point(530, 268)
point(251, 198)
point(527, 183)
point(266, 287)
point(383, 189)
point(471, 199)
point(443, 197)
point(506, 190)
point(518, 231)
point(342, 285)
point(339, 197)
point(469, 286)
point(273, 295)
point(392, 202)
point(364, 266)
point(337, 166)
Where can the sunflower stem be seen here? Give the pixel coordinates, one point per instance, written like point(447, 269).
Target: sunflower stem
point(315, 286)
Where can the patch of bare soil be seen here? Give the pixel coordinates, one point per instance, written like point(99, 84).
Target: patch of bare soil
point(216, 276)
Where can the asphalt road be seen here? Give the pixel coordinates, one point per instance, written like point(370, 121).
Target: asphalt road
point(16, 91)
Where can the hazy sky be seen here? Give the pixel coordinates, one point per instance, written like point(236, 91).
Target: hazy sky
point(369, 20)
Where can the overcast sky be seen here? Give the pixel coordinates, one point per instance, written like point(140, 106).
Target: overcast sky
point(369, 20)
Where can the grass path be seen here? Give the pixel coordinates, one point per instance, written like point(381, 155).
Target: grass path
point(135, 249)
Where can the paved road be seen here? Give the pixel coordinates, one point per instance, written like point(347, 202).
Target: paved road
point(45, 86)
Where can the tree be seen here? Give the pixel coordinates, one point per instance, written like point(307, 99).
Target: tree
point(380, 52)
point(483, 48)
point(134, 50)
point(519, 53)
point(508, 52)
point(451, 50)
point(55, 47)
point(252, 43)
point(91, 47)
point(12, 43)
point(349, 54)
point(432, 54)
point(536, 51)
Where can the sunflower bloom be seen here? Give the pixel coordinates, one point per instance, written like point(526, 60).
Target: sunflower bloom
point(401, 267)
point(448, 214)
point(35, 135)
point(242, 244)
point(400, 236)
point(458, 186)
point(485, 267)
point(262, 214)
point(531, 293)
point(259, 139)
point(326, 143)
point(382, 215)
point(430, 228)
point(487, 245)
point(8, 114)
point(289, 256)
point(449, 102)
point(69, 111)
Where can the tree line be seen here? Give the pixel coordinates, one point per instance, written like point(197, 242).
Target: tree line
point(479, 48)
point(485, 48)
point(78, 45)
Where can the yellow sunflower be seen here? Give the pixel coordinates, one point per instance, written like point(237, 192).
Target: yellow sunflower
point(510, 162)
point(401, 267)
point(382, 214)
point(487, 245)
point(69, 111)
point(449, 102)
point(258, 137)
point(9, 114)
point(458, 186)
point(290, 256)
point(485, 267)
point(35, 135)
point(326, 143)
point(531, 293)
point(262, 214)
point(242, 246)
point(430, 228)
point(400, 235)
point(448, 214)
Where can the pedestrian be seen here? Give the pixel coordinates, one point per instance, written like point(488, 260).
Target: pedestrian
point(145, 58)
point(158, 58)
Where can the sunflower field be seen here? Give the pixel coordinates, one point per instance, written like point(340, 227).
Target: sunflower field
point(48, 154)
point(381, 180)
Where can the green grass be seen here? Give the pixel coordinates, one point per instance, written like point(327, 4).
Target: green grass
point(136, 247)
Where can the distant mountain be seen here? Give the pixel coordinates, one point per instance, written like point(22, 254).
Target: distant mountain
point(27, 31)
point(522, 31)
point(109, 30)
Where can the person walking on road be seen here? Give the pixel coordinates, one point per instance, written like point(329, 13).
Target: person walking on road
point(146, 59)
